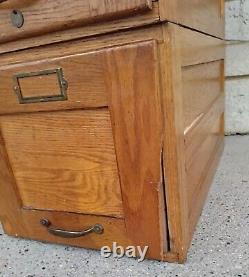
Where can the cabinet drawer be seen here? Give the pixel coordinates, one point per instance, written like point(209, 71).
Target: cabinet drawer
point(55, 83)
point(41, 17)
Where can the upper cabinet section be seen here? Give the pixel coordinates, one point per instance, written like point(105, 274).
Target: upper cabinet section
point(26, 18)
point(51, 21)
point(203, 15)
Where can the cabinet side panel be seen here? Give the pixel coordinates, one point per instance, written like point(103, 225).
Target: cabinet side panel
point(206, 16)
point(193, 94)
point(203, 105)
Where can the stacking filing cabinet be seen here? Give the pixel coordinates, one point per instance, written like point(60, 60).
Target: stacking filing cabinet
point(111, 120)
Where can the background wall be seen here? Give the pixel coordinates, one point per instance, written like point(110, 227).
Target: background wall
point(237, 67)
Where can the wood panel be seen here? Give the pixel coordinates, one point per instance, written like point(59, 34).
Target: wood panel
point(114, 228)
point(10, 202)
point(45, 16)
point(199, 48)
point(201, 192)
point(199, 165)
point(64, 161)
point(83, 72)
point(201, 87)
point(142, 19)
point(173, 142)
point(206, 16)
point(176, 52)
point(89, 44)
point(132, 77)
point(19, 222)
point(40, 86)
point(201, 129)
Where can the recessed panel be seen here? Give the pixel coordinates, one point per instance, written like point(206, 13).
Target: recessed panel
point(64, 161)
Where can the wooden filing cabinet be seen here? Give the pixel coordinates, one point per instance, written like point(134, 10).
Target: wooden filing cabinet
point(111, 120)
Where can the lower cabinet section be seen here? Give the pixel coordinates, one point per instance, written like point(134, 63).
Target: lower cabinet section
point(110, 141)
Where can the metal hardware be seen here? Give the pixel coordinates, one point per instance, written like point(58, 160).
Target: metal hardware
point(17, 18)
point(97, 229)
point(63, 85)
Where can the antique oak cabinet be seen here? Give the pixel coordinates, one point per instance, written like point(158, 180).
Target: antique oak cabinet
point(111, 120)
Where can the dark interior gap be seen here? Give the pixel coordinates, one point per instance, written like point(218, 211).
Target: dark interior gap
point(165, 201)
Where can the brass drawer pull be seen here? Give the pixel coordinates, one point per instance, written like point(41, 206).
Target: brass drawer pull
point(97, 229)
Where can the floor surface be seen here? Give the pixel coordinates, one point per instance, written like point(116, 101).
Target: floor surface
point(220, 246)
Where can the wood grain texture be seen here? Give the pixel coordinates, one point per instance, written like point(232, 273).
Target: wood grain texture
point(132, 77)
point(142, 75)
point(202, 190)
point(10, 202)
point(198, 167)
point(45, 16)
point(173, 141)
point(179, 145)
point(198, 48)
point(80, 46)
point(64, 161)
point(206, 16)
point(114, 228)
point(42, 85)
point(79, 71)
point(142, 19)
point(200, 130)
point(201, 87)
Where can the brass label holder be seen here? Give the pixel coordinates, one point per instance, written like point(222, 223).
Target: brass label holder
point(63, 85)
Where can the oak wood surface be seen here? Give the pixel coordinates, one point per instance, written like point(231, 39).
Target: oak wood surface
point(142, 75)
point(10, 202)
point(176, 81)
point(204, 186)
point(114, 228)
point(64, 161)
point(201, 86)
point(41, 85)
point(79, 47)
point(206, 16)
point(199, 48)
point(198, 167)
point(45, 16)
point(107, 27)
point(108, 17)
point(173, 141)
point(200, 130)
point(132, 76)
point(79, 71)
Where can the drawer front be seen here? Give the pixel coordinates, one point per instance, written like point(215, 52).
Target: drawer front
point(113, 229)
point(20, 19)
point(59, 83)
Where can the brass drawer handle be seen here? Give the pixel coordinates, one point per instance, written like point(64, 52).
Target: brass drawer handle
point(97, 229)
